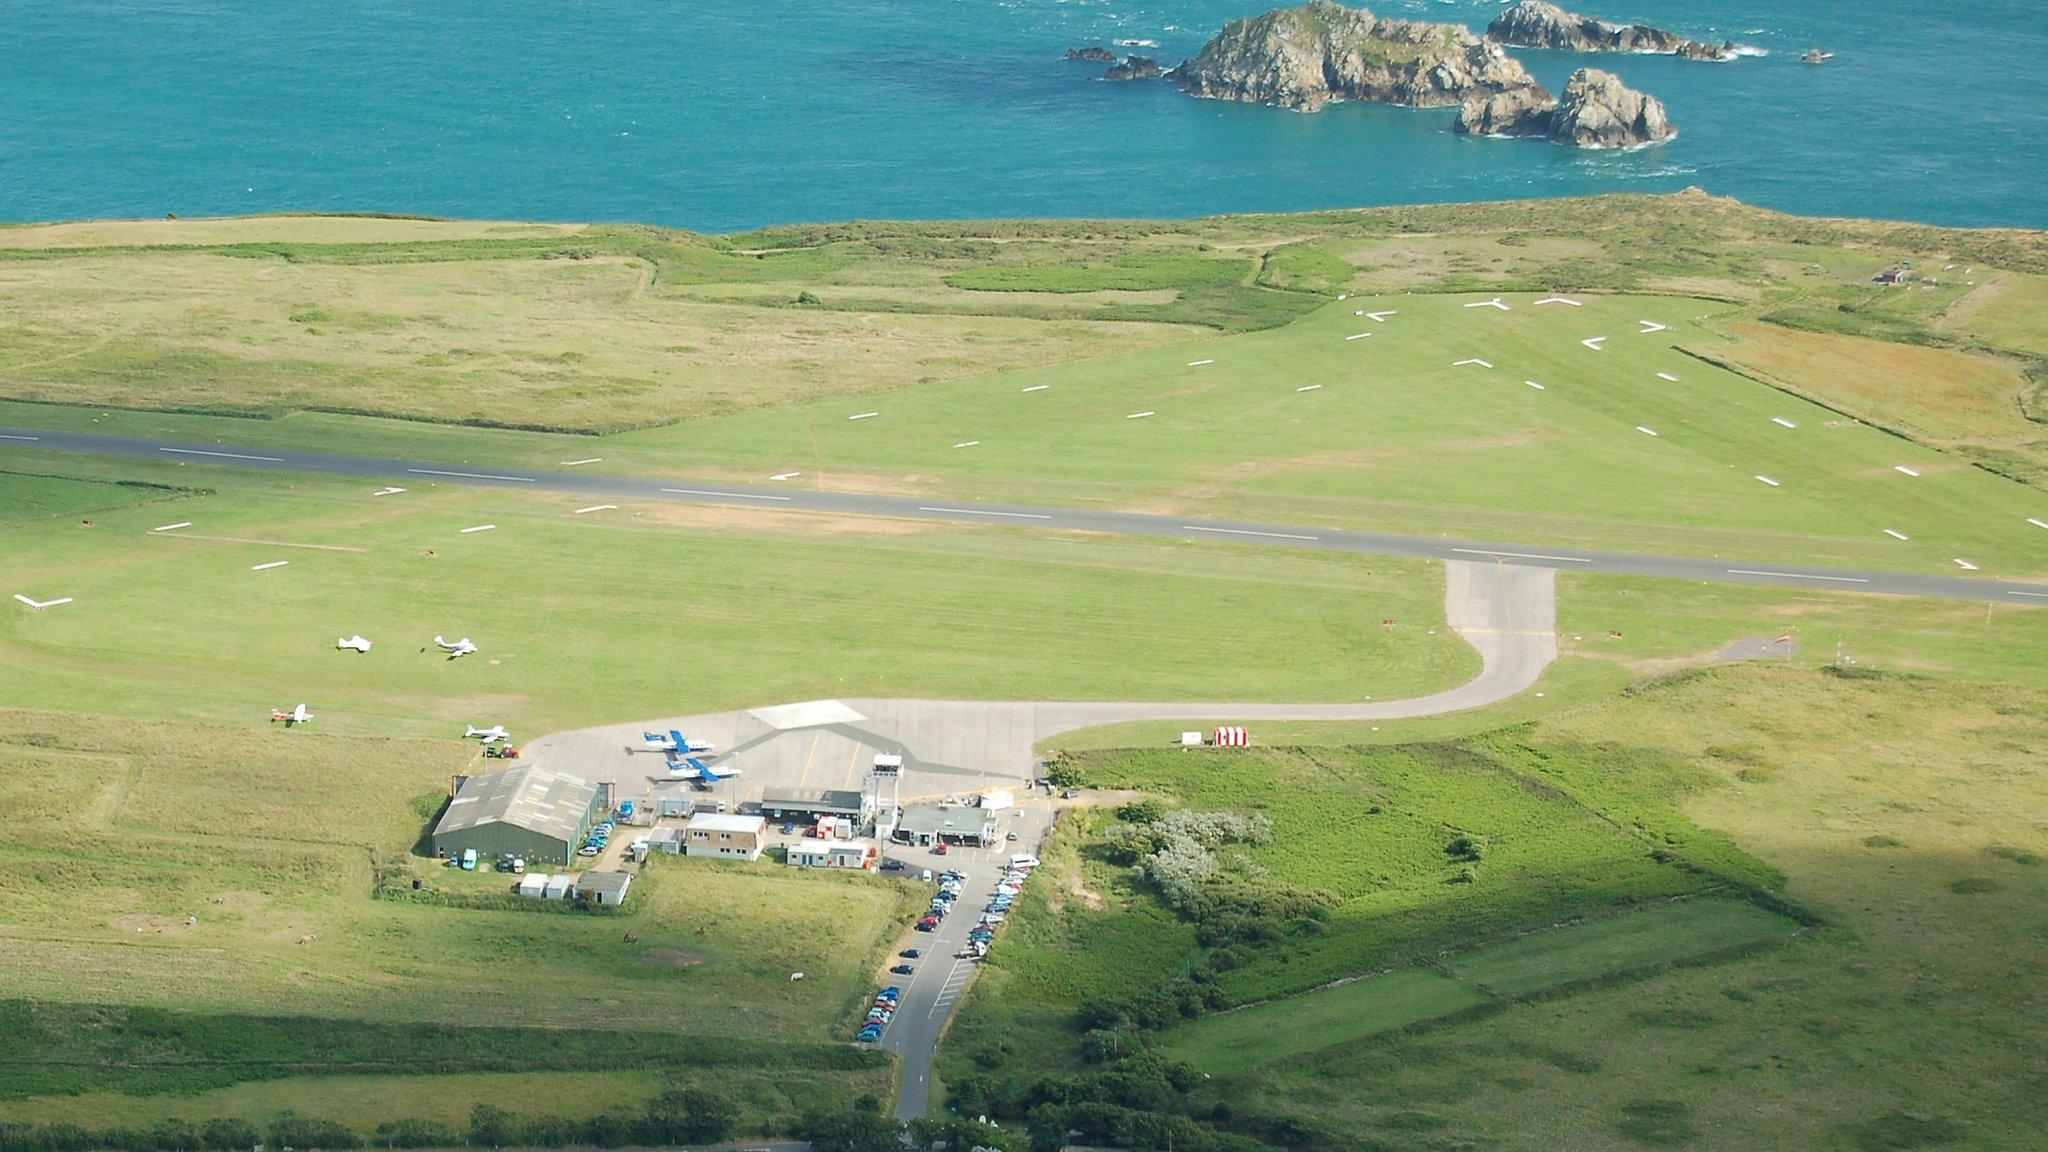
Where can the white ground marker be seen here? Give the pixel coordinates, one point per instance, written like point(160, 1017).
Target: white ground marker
point(1474, 360)
point(223, 455)
point(1904, 469)
point(480, 528)
point(1896, 534)
point(985, 512)
point(2037, 523)
point(1380, 317)
point(1650, 326)
point(1593, 342)
point(15, 436)
point(724, 495)
point(1199, 363)
point(387, 490)
point(172, 527)
point(1038, 387)
point(785, 476)
point(595, 508)
point(1533, 384)
point(1358, 335)
point(1781, 422)
point(1646, 431)
point(1667, 377)
point(1559, 300)
point(1798, 575)
point(470, 475)
point(1496, 302)
point(1768, 480)
point(1522, 555)
point(39, 605)
point(864, 416)
point(967, 444)
point(574, 463)
point(1140, 415)
point(1358, 312)
point(1965, 565)
point(1248, 532)
point(1308, 388)
point(267, 567)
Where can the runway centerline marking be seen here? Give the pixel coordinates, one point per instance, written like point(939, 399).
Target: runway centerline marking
point(723, 495)
point(223, 455)
point(12, 436)
point(471, 475)
point(984, 512)
point(1522, 555)
point(1797, 575)
point(2008, 592)
point(1249, 532)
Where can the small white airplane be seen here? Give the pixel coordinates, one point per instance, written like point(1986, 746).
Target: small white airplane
point(353, 643)
point(456, 648)
point(297, 715)
point(675, 741)
point(489, 735)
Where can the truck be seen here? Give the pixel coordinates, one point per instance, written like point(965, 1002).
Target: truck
point(469, 859)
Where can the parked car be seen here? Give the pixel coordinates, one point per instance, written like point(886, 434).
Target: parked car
point(910, 953)
point(788, 827)
point(903, 970)
point(892, 865)
point(1012, 836)
point(939, 849)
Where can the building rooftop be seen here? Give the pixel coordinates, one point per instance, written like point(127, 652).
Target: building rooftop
point(815, 799)
point(930, 819)
point(538, 799)
point(611, 885)
point(715, 822)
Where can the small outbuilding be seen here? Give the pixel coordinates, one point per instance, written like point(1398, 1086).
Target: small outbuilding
point(808, 805)
point(603, 887)
point(927, 824)
point(814, 853)
point(559, 887)
point(534, 885)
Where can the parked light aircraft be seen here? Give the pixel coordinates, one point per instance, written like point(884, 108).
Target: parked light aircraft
point(489, 735)
point(456, 648)
point(297, 715)
point(356, 643)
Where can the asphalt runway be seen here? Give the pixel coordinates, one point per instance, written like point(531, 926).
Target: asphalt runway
point(1783, 571)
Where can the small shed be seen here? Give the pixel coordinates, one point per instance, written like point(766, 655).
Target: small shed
point(604, 887)
point(534, 885)
point(668, 840)
point(559, 887)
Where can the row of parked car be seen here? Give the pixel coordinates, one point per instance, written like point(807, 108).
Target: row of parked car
point(879, 1014)
point(600, 835)
point(998, 909)
point(950, 883)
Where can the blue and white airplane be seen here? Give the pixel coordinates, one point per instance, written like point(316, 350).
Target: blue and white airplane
point(674, 742)
point(703, 775)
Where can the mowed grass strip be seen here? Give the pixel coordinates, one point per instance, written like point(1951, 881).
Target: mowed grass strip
point(1620, 943)
point(1276, 1030)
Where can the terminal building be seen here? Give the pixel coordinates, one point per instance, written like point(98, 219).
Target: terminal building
point(530, 811)
point(725, 837)
point(927, 824)
point(807, 805)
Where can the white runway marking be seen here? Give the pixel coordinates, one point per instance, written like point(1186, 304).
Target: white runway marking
point(387, 490)
point(1559, 300)
point(1474, 360)
point(1896, 534)
point(471, 475)
point(172, 527)
point(1358, 335)
point(1496, 302)
point(967, 444)
point(272, 564)
point(1199, 363)
point(864, 416)
point(1797, 575)
point(1038, 387)
point(785, 476)
point(480, 528)
point(222, 455)
point(1308, 387)
point(2037, 523)
point(1593, 342)
point(1668, 377)
point(1522, 555)
point(985, 512)
point(1650, 326)
point(574, 463)
point(1906, 470)
point(1533, 384)
point(1249, 532)
point(721, 495)
point(2008, 592)
point(595, 508)
point(1380, 317)
point(39, 605)
point(1768, 480)
point(12, 436)
point(1782, 422)
point(1140, 415)
point(1646, 431)
point(1966, 565)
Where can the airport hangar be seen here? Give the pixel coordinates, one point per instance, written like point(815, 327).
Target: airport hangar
point(532, 811)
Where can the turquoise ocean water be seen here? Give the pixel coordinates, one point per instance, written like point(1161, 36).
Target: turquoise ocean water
point(714, 114)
